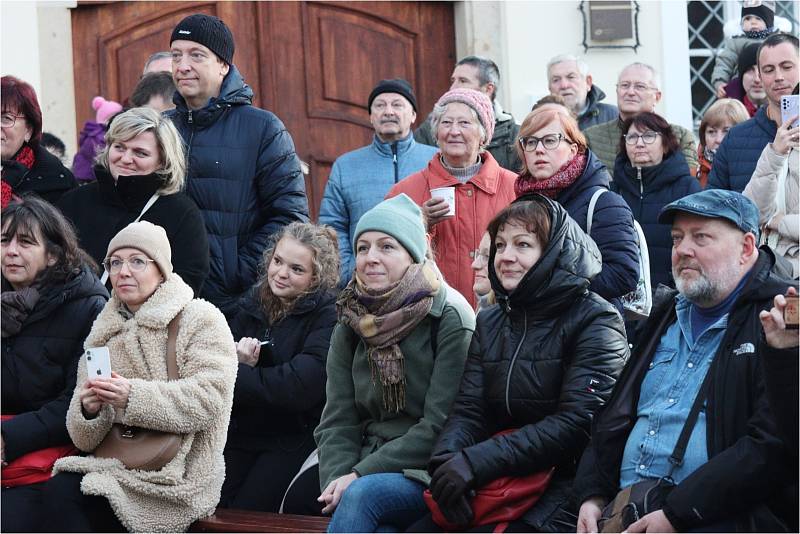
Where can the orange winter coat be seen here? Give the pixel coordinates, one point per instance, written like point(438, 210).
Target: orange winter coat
point(477, 202)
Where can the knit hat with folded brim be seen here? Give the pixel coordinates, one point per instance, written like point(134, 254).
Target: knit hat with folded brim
point(150, 239)
point(399, 217)
point(477, 101)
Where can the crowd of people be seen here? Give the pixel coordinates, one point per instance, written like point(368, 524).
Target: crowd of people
point(459, 344)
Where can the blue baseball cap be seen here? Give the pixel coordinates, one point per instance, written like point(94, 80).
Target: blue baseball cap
point(714, 204)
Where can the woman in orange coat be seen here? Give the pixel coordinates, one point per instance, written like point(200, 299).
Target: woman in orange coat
point(463, 186)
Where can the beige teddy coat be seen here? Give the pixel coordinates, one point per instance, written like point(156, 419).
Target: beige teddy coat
point(197, 405)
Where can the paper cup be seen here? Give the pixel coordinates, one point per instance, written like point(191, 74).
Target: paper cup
point(449, 195)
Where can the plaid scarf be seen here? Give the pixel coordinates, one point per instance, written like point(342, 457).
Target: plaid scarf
point(551, 187)
point(383, 318)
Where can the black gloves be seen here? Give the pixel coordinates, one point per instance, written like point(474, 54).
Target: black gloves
point(459, 513)
point(437, 460)
point(450, 482)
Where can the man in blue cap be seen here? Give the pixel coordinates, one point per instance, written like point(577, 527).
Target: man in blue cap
point(705, 342)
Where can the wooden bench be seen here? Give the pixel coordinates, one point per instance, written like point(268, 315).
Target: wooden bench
point(228, 520)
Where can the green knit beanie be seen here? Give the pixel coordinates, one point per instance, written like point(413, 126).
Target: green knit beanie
point(399, 217)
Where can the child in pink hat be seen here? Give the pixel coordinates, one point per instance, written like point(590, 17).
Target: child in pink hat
point(92, 139)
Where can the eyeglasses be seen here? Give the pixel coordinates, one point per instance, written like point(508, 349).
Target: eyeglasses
point(637, 87)
point(648, 138)
point(483, 258)
point(9, 119)
point(136, 264)
point(549, 142)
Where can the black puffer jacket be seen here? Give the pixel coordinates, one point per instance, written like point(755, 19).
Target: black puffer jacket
point(543, 361)
point(40, 361)
point(48, 177)
point(647, 190)
point(245, 177)
point(114, 206)
point(281, 398)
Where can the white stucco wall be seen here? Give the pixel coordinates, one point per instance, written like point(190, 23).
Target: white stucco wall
point(36, 46)
point(522, 36)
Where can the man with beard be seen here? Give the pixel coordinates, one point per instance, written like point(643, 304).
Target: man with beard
point(735, 473)
point(360, 179)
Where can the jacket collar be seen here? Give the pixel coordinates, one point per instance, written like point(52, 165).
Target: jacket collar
point(385, 149)
point(593, 97)
point(129, 191)
point(487, 179)
point(657, 177)
point(156, 313)
point(234, 92)
point(594, 175)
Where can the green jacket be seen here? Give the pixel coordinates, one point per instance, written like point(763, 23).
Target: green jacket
point(604, 140)
point(356, 433)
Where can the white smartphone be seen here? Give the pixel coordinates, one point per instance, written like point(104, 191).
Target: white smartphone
point(98, 362)
point(790, 108)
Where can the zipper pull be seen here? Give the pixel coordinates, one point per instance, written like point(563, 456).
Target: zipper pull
point(641, 183)
point(190, 117)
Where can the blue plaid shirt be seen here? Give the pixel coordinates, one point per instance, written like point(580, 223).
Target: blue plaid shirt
point(676, 372)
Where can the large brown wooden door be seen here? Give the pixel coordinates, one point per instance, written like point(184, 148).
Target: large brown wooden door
point(312, 63)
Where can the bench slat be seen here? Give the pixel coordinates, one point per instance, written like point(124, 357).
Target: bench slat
point(230, 520)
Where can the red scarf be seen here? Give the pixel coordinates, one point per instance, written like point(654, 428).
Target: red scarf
point(551, 187)
point(25, 157)
point(748, 104)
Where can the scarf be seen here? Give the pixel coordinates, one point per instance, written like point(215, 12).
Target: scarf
point(25, 157)
point(551, 187)
point(760, 34)
point(749, 105)
point(385, 317)
point(16, 306)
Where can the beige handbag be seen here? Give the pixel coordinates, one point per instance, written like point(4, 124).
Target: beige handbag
point(142, 448)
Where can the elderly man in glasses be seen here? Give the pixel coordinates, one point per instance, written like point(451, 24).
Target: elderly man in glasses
point(637, 91)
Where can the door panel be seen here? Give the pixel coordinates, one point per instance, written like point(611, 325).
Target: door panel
point(312, 63)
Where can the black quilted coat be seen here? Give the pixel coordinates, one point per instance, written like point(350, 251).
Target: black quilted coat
point(542, 361)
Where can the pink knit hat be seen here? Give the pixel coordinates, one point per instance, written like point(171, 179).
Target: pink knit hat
point(477, 101)
point(105, 109)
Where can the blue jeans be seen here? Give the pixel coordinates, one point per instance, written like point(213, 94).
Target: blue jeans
point(383, 502)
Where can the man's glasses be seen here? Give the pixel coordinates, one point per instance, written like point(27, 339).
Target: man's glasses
point(135, 264)
point(638, 87)
point(549, 142)
point(648, 138)
point(483, 258)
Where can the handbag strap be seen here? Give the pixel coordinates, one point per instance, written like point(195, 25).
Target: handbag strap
point(590, 211)
point(172, 356)
point(147, 206)
point(676, 458)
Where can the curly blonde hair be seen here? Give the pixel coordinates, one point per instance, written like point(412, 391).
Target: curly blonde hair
point(323, 243)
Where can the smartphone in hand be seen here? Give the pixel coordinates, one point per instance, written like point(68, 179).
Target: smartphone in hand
point(790, 107)
point(98, 362)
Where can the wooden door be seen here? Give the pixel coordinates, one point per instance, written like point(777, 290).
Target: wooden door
point(311, 63)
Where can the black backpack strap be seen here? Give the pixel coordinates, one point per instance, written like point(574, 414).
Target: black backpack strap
point(676, 458)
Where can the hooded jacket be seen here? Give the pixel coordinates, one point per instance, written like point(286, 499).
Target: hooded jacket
point(612, 231)
point(647, 190)
point(281, 398)
point(245, 177)
point(541, 361)
point(596, 112)
point(115, 205)
point(737, 155)
point(196, 406)
point(91, 141)
point(748, 465)
point(39, 363)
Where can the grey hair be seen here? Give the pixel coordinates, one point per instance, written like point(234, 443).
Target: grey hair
point(436, 116)
point(156, 57)
point(653, 72)
point(583, 67)
point(487, 71)
point(136, 121)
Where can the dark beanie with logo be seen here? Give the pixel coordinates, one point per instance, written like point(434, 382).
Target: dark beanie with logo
point(395, 85)
point(209, 31)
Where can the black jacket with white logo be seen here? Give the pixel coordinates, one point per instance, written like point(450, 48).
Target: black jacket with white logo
point(747, 475)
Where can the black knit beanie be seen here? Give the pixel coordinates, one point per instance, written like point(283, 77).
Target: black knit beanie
point(765, 10)
point(747, 58)
point(396, 85)
point(208, 31)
